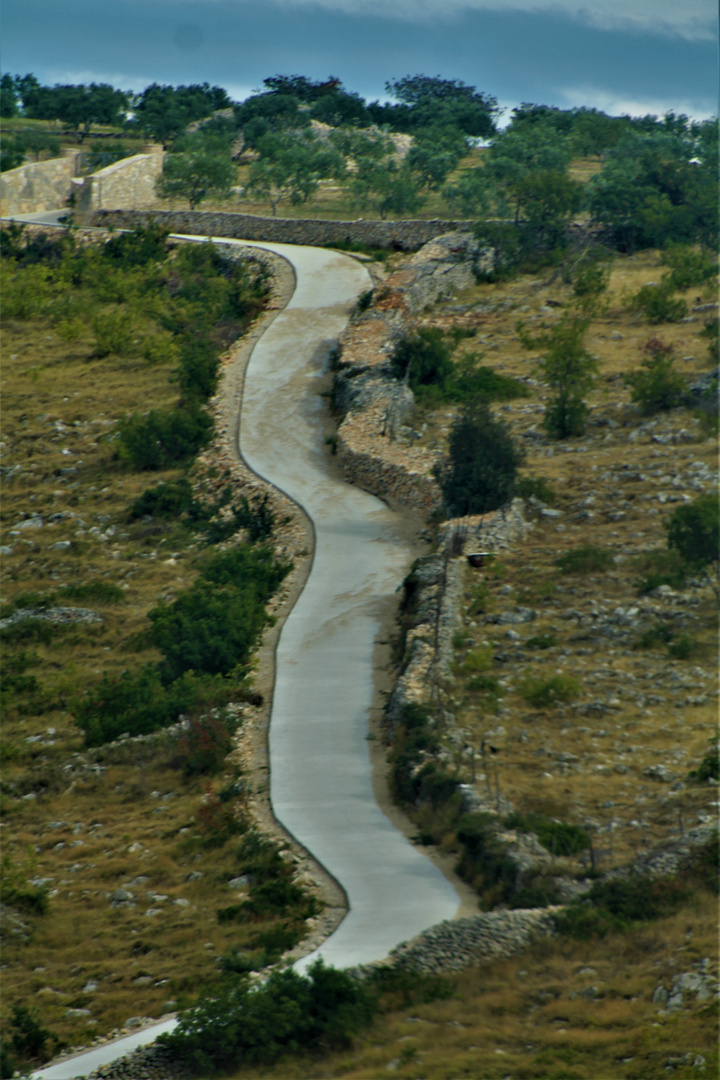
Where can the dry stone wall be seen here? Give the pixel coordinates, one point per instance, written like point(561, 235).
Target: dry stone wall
point(400, 235)
point(38, 186)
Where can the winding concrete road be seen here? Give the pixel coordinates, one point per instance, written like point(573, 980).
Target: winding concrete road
point(321, 778)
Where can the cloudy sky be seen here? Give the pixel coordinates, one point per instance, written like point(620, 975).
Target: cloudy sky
point(633, 56)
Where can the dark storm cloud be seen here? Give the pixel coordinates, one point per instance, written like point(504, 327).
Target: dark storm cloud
point(515, 54)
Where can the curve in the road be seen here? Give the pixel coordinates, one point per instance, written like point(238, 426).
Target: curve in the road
point(321, 777)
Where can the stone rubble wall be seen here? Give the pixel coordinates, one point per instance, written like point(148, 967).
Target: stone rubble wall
point(38, 186)
point(127, 184)
point(400, 235)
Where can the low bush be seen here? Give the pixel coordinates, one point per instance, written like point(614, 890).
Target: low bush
point(484, 861)
point(138, 246)
point(164, 500)
point(559, 837)
point(660, 568)
point(139, 703)
point(92, 592)
point(658, 303)
point(205, 743)
point(587, 559)
point(679, 646)
point(544, 693)
point(18, 892)
point(656, 386)
point(114, 333)
point(619, 903)
point(709, 767)
point(690, 267)
point(162, 438)
point(527, 487)
point(257, 1025)
point(541, 641)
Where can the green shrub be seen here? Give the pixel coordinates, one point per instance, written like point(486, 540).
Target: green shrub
point(18, 892)
point(258, 1025)
point(537, 487)
point(591, 278)
point(659, 304)
point(682, 646)
point(163, 501)
point(114, 333)
point(544, 693)
point(558, 837)
point(29, 1039)
point(138, 703)
point(587, 559)
point(619, 903)
point(484, 861)
point(656, 386)
point(702, 865)
point(39, 631)
point(364, 300)
point(423, 358)
point(709, 767)
point(693, 530)
point(204, 744)
point(485, 684)
point(162, 438)
point(541, 641)
point(479, 659)
point(160, 349)
point(660, 568)
point(689, 266)
point(138, 246)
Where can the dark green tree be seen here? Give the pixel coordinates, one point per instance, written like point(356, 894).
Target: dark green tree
point(290, 168)
point(694, 532)
point(200, 172)
point(479, 472)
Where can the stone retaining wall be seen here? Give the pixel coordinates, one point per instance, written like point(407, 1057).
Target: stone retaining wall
point(40, 185)
point(400, 235)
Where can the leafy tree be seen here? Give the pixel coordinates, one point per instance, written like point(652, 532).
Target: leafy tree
point(290, 168)
point(423, 358)
point(480, 470)
point(196, 175)
point(162, 111)
point(302, 88)
point(9, 97)
point(340, 107)
point(78, 106)
point(694, 532)
point(270, 112)
point(427, 101)
point(569, 370)
point(655, 190)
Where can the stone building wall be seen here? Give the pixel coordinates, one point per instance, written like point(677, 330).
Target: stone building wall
point(126, 184)
point(401, 235)
point(39, 185)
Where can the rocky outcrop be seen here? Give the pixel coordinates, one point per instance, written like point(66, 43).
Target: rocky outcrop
point(375, 405)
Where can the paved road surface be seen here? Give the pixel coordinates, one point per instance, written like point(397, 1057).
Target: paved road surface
point(321, 785)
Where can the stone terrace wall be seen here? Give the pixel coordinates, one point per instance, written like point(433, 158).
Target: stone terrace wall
point(373, 451)
point(40, 185)
point(401, 235)
point(128, 184)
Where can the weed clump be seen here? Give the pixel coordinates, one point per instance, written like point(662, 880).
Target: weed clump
point(545, 693)
point(587, 559)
